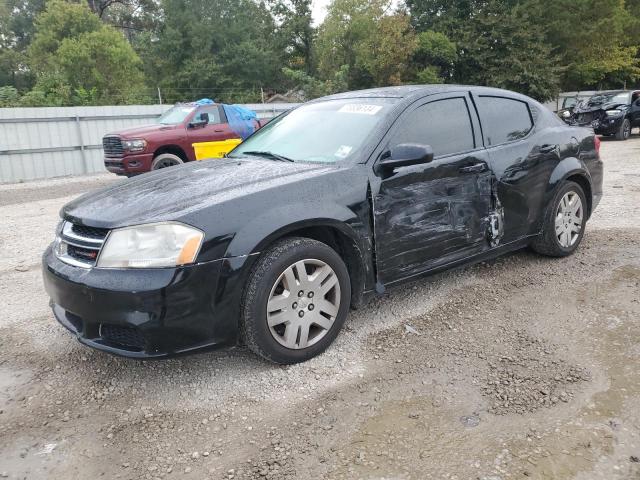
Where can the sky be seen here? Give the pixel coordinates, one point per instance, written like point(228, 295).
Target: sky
point(319, 10)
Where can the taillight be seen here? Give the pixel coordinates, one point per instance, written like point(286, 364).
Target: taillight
point(597, 143)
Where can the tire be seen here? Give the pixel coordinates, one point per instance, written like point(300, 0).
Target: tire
point(624, 132)
point(273, 283)
point(551, 242)
point(165, 160)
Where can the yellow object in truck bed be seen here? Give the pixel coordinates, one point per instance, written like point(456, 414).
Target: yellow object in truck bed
point(217, 149)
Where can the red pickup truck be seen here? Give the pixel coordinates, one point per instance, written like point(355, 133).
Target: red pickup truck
point(169, 141)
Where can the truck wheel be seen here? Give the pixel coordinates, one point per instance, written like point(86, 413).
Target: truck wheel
point(165, 160)
point(625, 130)
point(295, 301)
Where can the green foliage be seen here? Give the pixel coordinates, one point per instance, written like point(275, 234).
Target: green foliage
point(8, 96)
point(435, 56)
point(80, 60)
point(81, 52)
point(376, 46)
point(499, 43)
point(294, 32)
point(313, 88)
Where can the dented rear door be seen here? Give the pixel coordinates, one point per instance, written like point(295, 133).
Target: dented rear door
point(429, 215)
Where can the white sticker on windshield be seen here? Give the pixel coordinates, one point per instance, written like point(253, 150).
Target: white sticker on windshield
point(343, 151)
point(360, 108)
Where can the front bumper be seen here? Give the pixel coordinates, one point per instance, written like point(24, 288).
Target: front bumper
point(146, 313)
point(603, 126)
point(129, 164)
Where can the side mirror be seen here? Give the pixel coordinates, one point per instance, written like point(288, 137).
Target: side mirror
point(404, 155)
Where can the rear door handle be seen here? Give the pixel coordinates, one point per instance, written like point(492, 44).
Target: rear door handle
point(478, 167)
point(548, 148)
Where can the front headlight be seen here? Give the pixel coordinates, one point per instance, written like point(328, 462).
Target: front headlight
point(614, 113)
point(154, 245)
point(135, 145)
point(566, 114)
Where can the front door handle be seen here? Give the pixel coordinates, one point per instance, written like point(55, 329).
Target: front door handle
point(477, 168)
point(548, 148)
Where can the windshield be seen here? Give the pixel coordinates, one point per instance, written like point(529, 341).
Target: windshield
point(175, 115)
point(569, 102)
point(615, 97)
point(328, 132)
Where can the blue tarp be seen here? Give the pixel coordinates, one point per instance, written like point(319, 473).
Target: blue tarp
point(241, 120)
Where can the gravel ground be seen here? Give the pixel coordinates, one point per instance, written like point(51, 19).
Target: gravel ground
point(523, 367)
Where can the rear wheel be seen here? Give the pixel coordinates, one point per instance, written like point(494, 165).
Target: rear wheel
point(564, 222)
point(296, 301)
point(624, 132)
point(165, 160)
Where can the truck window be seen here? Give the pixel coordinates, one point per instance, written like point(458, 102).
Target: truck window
point(212, 111)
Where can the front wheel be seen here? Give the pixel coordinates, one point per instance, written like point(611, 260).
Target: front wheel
point(624, 132)
point(165, 160)
point(296, 301)
point(564, 222)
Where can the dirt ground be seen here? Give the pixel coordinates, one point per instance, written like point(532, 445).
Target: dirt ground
point(521, 368)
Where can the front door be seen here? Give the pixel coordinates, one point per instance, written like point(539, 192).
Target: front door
point(214, 130)
point(430, 215)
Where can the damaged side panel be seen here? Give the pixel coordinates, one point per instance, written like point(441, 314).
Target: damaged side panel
point(429, 217)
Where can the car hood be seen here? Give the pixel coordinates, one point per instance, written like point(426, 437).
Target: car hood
point(177, 192)
point(143, 130)
point(601, 106)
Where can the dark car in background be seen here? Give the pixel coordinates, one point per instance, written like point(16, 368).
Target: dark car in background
point(324, 207)
point(169, 141)
point(611, 113)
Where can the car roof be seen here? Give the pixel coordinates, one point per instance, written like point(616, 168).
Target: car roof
point(411, 91)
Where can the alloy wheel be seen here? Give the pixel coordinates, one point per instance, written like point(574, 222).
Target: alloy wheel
point(569, 216)
point(303, 304)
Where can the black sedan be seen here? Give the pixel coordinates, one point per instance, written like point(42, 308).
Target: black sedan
point(321, 209)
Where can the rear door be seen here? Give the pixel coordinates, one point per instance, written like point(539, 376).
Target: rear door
point(521, 158)
point(432, 214)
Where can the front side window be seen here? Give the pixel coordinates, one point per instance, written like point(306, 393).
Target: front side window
point(445, 125)
point(503, 119)
point(212, 111)
point(326, 132)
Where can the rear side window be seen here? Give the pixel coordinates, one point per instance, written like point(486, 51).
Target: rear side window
point(443, 124)
point(503, 119)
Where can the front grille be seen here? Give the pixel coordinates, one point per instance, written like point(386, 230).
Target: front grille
point(82, 254)
point(79, 245)
point(90, 232)
point(112, 147)
point(128, 337)
point(585, 117)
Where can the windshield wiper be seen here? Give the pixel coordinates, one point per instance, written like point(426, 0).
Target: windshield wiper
point(271, 155)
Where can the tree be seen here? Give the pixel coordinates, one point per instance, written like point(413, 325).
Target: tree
point(499, 43)
point(596, 41)
point(435, 57)
point(295, 32)
point(223, 49)
point(16, 31)
point(375, 46)
point(78, 59)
